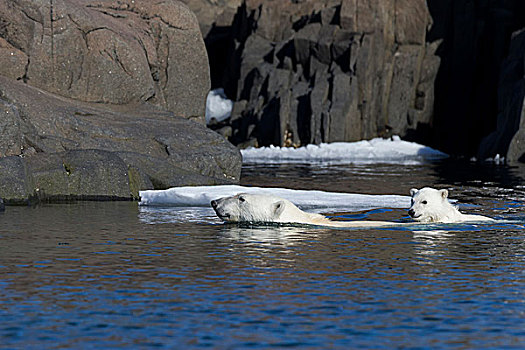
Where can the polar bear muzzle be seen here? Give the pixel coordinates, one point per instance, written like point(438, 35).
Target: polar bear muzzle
point(224, 211)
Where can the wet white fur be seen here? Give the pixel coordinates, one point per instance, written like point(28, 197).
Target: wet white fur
point(431, 205)
point(267, 208)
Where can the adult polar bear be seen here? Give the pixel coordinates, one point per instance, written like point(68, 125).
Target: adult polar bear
point(246, 207)
point(428, 205)
point(431, 205)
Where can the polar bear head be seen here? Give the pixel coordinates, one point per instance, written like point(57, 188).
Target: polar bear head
point(245, 207)
point(430, 205)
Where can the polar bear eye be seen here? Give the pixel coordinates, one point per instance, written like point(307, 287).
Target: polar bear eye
point(424, 202)
point(241, 199)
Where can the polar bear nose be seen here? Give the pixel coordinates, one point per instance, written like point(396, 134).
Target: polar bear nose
point(214, 204)
point(411, 212)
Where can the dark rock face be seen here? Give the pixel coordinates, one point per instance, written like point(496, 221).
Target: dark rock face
point(509, 137)
point(107, 51)
point(60, 148)
point(325, 71)
point(339, 70)
point(474, 85)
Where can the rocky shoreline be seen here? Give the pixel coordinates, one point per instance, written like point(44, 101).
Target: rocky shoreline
point(62, 148)
point(101, 99)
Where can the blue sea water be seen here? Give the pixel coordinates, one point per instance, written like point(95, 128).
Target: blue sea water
point(98, 275)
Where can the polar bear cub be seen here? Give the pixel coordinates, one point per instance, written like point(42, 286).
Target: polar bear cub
point(268, 208)
point(431, 205)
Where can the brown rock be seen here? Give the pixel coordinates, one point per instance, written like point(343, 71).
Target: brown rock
point(61, 148)
point(403, 87)
point(411, 21)
point(14, 59)
point(108, 51)
point(349, 15)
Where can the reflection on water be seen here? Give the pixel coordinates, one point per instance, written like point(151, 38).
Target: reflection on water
point(484, 180)
point(164, 215)
point(108, 275)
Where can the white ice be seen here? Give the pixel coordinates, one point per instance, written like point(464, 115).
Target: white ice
point(378, 150)
point(218, 107)
point(311, 200)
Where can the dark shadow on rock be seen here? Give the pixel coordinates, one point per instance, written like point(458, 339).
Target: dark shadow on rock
point(219, 45)
point(475, 36)
point(508, 139)
point(421, 134)
point(268, 130)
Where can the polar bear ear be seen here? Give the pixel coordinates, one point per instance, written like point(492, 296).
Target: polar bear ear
point(413, 192)
point(444, 193)
point(278, 208)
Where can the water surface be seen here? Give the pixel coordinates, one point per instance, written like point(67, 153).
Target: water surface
point(113, 275)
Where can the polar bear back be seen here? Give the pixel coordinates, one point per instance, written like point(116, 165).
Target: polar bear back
point(268, 208)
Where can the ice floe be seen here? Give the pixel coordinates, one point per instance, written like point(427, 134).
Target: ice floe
point(311, 200)
point(378, 150)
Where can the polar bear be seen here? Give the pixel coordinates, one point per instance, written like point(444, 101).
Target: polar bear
point(431, 205)
point(245, 207)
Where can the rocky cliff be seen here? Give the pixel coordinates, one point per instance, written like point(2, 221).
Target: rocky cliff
point(107, 51)
point(96, 97)
point(312, 71)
